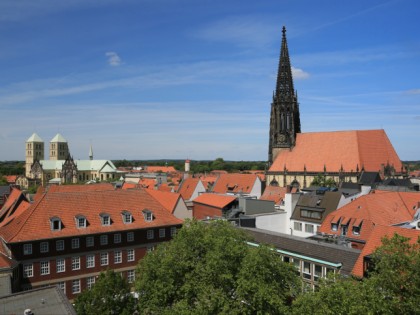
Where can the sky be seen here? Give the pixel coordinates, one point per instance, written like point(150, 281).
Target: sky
point(178, 79)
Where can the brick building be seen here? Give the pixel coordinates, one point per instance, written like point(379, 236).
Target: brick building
point(67, 238)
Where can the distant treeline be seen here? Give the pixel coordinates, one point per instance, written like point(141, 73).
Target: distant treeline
point(198, 166)
point(12, 168)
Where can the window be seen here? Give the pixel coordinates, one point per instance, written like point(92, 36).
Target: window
point(117, 257)
point(28, 270)
point(310, 214)
point(298, 226)
point(334, 226)
point(90, 281)
point(150, 248)
point(318, 272)
point(75, 243)
point(90, 241)
point(356, 230)
point(131, 276)
point(173, 231)
point(61, 265)
point(62, 286)
point(296, 263)
point(104, 259)
point(130, 255)
point(75, 263)
point(161, 233)
point(117, 238)
point(130, 237)
point(286, 259)
point(148, 215)
point(55, 224)
point(27, 249)
point(309, 228)
point(43, 247)
point(344, 229)
point(90, 261)
point(80, 221)
point(59, 245)
point(45, 267)
point(150, 234)
point(104, 239)
point(306, 270)
point(105, 219)
point(75, 286)
point(127, 217)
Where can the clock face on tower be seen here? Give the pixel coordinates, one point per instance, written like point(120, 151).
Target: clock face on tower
point(282, 138)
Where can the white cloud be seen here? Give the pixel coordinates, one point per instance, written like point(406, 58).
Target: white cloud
point(113, 58)
point(299, 73)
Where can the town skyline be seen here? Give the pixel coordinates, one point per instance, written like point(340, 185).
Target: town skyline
point(155, 80)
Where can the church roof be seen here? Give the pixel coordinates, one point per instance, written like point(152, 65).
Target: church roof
point(58, 138)
point(350, 150)
point(34, 138)
point(104, 166)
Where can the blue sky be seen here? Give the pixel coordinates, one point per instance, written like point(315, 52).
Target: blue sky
point(163, 79)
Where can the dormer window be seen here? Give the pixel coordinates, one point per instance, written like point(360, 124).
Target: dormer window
point(105, 219)
point(80, 221)
point(127, 217)
point(148, 215)
point(56, 224)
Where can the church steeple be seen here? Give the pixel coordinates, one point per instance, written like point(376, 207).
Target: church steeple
point(285, 117)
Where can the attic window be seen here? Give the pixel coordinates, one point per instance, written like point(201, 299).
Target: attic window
point(80, 221)
point(334, 225)
point(127, 217)
point(356, 230)
point(148, 215)
point(105, 219)
point(55, 224)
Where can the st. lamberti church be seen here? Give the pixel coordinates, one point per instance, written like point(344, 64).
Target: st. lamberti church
point(296, 158)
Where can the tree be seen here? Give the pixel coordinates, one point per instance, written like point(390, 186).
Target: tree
point(393, 287)
point(109, 295)
point(323, 181)
point(209, 268)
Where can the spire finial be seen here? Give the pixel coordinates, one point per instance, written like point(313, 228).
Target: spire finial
point(284, 31)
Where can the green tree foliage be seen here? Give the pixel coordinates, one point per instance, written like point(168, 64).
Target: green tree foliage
point(393, 287)
point(323, 181)
point(110, 295)
point(208, 268)
point(3, 180)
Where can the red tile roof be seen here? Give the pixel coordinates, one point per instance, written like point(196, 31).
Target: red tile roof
point(75, 188)
point(274, 193)
point(234, 183)
point(165, 187)
point(34, 223)
point(214, 200)
point(163, 169)
point(167, 199)
point(375, 241)
point(348, 149)
point(11, 179)
point(187, 187)
point(385, 208)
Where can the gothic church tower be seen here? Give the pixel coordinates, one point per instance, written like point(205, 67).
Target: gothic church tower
point(34, 150)
point(285, 117)
point(59, 148)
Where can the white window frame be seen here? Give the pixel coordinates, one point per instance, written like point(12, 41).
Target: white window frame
point(150, 234)
point(44, 247)
point(127, 217)
point(81, 222)
point(75, 286)
point(75, 243)
point(75, 263)
point(90, 241)
point(117, 238)
point(131, 255)
point(56, 221)
point(105, 219)
point(162, 233)
point(104, 239)
point(44, 267)
point(130, 236)
point(297, 226)
point(90, 261)
point(104, 259)
point(27, 249)
point(309, 227)
point(173, 231)
point(59, 245)
point(117, 257)
point(60, 265)
point(131, 276)
point(90, 281)
point(28, 270)
point(62, 286)
point(148, 215)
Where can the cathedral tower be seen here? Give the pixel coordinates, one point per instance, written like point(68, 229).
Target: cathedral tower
point(284, 117)
point(34, 150)
point(59, 148)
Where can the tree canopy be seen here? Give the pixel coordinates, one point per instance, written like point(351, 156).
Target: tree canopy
point(209, 268)
point(109, 295)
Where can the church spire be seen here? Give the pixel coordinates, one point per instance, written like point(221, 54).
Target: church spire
point(285, 117)
point(90, 153)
